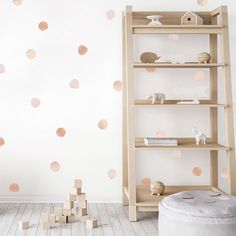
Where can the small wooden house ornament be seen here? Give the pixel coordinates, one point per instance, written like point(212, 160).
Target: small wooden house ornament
point(191, 18)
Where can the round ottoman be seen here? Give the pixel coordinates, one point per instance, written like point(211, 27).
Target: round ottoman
point(197, 213)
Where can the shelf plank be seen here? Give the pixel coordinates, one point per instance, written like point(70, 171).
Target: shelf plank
point(139, 65)
point(173, 103)
point(177, 29)
point(183, 144)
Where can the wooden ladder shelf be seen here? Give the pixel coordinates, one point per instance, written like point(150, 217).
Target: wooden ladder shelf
point(215, 23)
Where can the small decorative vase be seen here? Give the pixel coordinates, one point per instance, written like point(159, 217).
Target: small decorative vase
point(154, 20)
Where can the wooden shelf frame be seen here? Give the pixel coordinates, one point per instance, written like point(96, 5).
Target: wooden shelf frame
point(138, 198)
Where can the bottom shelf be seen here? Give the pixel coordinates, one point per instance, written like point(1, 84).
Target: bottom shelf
point(147, 202)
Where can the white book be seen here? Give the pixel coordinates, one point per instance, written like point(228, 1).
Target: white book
point(160, 141)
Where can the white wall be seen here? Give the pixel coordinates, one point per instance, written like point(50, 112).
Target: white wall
point(86, 151)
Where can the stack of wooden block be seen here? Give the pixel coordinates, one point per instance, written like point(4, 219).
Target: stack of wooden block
point(76, 204)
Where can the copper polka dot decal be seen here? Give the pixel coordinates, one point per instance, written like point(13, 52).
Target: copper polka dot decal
point(31, 54)
point(74, 83)
point(35, 102)
point(173, 37)
point(151, 70)
point(117, 85)
point(14, 187)
point(110, 14)
point(160, 134)
point(103, 124)
point(176, 154)
point(224, 173)
point(111, 174)
point(200, 75)
point(197, 171)
point(82, 50)
point(2, 141)
point(61, 132)
point(146, 181)
point(2, 68)
point(202, 2)
point(43, 25)
point(17, 2)
point(55, 166)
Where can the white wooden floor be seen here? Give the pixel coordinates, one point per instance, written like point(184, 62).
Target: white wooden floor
point(112, 220)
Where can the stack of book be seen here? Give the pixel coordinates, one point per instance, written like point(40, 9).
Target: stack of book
point(160, 141)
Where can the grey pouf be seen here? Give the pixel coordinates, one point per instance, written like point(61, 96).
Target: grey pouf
point(197, 213)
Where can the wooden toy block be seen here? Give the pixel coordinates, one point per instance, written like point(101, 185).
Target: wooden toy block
point(81, 211)
point(52, 218)
point(23, 224)
point(91, 223)
point(78, 183)
point(62, 219)
point(81, 197)
point(71, 219)
point(72, 197)
point(45, 225)
point(67, 212)
point(83, 218)
point(76, 191)
point(58, 211)
point(45, 217)
point(76, 204)
point(68, 205)
point(83, 204)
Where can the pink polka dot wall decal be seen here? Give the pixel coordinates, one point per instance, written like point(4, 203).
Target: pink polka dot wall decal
point(110, 14)
point(82, 50)
point(197, 171)
point(173, 37)
point(17, 2)
point(117, 85)
point(74, 83)
point(111, 174)
point(202, 2)
point(43, 25)
point(31, 54)
point(160, 134)
point(61, 132)
point(14, 188)
point(200, 75)
point(35, 102)
point(224, 173)
point(176, 154)
point(2, 68)
point(103, 124)
point(55, 166)
point(146, 181)
point(151, 70)
point(2, 141)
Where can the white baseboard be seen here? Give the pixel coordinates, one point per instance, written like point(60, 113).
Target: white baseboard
point(44, 199)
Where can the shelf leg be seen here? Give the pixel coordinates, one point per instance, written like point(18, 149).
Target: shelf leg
point(132, 213)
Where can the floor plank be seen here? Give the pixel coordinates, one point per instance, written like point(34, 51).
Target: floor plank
point(105, 221)
point(15, 223)
point(93, 213)
point(56, 229)
point(127, 228)
point(3, 209)
point(114, 219)
point(26, 216)
point(147, 224)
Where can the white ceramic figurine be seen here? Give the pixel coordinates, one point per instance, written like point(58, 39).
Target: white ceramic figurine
point(199, 137)
point(157, 96)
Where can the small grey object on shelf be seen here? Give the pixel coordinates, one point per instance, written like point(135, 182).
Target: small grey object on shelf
point(199, 137)
point(195, 101)
point(160, 142)
point(149, 57)
point(157, 96)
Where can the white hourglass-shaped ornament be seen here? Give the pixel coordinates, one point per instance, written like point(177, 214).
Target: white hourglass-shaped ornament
point(154, 20)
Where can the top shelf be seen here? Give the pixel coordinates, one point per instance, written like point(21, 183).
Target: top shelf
point(177, 29)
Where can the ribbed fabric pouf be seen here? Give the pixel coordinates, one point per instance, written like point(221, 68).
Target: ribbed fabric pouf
point(197, 213)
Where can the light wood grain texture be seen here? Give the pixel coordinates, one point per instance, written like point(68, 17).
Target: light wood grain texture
point(176, 65)
point(229, 101)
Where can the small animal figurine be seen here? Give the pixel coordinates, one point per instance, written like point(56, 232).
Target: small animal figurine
point(149, 57)
point(204, 57)
point(157, 96)
point(199, 137)
point(157, 188)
